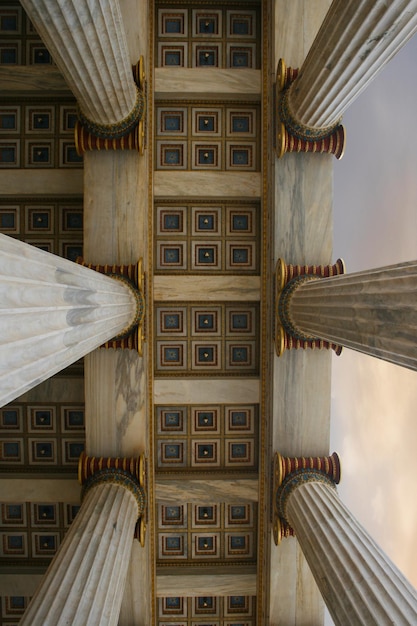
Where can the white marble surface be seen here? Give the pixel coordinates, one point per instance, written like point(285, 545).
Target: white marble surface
point(52, 313)
point(294, 595)
point(136, 597)
point(115, 403)
point(296, 23)
point(303, 233)
point(304, 208)
point(205, 585)
point(116, 231)
point(135, 17)
point(358, 581)
point(115, 207)
point(85, 581)
point(19, 584)
point(41, 182)
point(207, 288)
point(221, 184)
point(211, 83)
point(200, 391)
point(50, 489)
point(206, 491)
point(88, 43)
point(31, 78)
point(353, 44)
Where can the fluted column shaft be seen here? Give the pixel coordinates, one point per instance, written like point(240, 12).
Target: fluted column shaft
point(357, 580)
point(87, 41)
point(52, 313)
point(354, 42)
point(373, 311)
point(84, 583)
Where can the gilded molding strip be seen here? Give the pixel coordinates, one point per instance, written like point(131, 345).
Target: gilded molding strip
point(291, 134)
point(265, 427)
point(150, 14)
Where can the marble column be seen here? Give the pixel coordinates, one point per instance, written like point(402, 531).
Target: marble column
point(373, 311)
point(356, 39)
point(53, 312)
point(87, 41)
point(358, 582)
point(85, 582)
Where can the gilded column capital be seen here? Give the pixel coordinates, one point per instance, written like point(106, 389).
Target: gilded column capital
point(297, 128)
point(294, 136)
point(117, 129)
point(289, 473)
point(284, 310)
point(125, 472)
point(288, 279)
point(128, 133)
point(140, 305)
point(132, 276)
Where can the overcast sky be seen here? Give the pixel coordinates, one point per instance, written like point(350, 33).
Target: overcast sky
point(374, 416)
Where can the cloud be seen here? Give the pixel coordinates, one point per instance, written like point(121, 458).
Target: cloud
point(374, 425)
point(375, 183)
point(374, 430)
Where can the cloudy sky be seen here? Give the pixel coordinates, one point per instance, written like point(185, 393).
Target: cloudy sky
point(374, 416)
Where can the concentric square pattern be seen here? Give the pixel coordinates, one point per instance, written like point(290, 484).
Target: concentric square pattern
point(190, 340)
point(207, 238)
point(215, 437)
point(204, 35)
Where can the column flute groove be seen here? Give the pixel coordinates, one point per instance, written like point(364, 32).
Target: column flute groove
point(356, 39)
point(358, 582)
point(53, 312)
point(88, 43)
point(85, 581)
point(373, 312)
point(354, 42)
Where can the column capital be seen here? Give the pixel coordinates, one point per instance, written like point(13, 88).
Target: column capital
point(139, 301)
point(133, 277)
point(297, 128)
point(358, 582)
point(284, 313)
point(372, 311)
point(122, 471)
point(125, 134)
point(68, 312)
point(294, 136)
point(118, 129)
point(292, 472)
point(295, 480)
point(355, 40)
point(288, 279)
